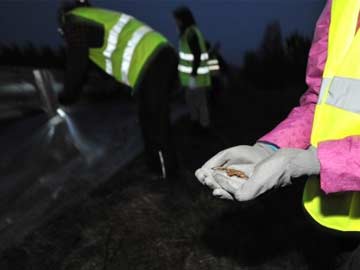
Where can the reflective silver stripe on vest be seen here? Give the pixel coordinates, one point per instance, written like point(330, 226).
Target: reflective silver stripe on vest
point(188, 70)
point(213, 62)
point(344, 93)
point(113, 40)
point(202, 70)
point(204, 56)
point(190, 57)
point(186, 56)
point(324, 85)
point(214, 68)
point(185, 69)
point(137, 36)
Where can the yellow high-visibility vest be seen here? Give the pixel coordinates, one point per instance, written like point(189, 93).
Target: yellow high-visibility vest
point(187, 58)
point(128, 45)
point(337, 115)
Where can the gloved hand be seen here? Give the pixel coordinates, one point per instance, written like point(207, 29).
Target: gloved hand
point(245, 155)
point(274, 171)
point(192, 82)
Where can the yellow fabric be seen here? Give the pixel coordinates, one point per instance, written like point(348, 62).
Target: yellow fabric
point(332, 123)
point(143, 52)
point(108, 19)
point(344, 15)
point(340, 211)
point(150, 43)
point(349, 68)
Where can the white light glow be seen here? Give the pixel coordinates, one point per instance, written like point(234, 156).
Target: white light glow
point(61, 113)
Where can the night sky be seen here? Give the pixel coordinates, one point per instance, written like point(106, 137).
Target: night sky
point(237, 24)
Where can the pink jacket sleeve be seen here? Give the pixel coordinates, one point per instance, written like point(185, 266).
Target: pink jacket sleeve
point(339, 159)
point(295, 130)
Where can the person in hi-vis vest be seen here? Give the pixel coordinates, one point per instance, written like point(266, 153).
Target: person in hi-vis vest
point(133, 54)
point(194, 73)
point(320, 138)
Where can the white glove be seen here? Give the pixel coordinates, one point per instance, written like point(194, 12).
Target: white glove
point(275, 171)
point(245, 155)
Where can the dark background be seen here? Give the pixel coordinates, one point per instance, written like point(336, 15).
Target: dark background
point(237, 24)
point(129, 221)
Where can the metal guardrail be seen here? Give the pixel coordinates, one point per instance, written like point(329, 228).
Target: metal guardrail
point(23, 90)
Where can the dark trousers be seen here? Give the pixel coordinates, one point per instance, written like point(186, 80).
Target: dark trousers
point(153, 97)
point(197, 101)
point(353, 260)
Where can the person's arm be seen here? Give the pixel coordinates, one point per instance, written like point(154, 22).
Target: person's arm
point(339, 159)
point(295, 130)
point(194, 45)
point(76, 63)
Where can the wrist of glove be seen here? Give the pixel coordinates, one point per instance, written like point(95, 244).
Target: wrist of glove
point(305, 162)
point(274, 171)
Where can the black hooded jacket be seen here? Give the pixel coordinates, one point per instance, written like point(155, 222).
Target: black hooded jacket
point(79, 35)
point(185, 20)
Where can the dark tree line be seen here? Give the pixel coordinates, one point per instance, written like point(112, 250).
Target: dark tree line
point(277, 62)
point(274, 65)
point(29, 55)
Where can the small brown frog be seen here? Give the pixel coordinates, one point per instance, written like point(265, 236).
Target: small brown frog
point(232, 172)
